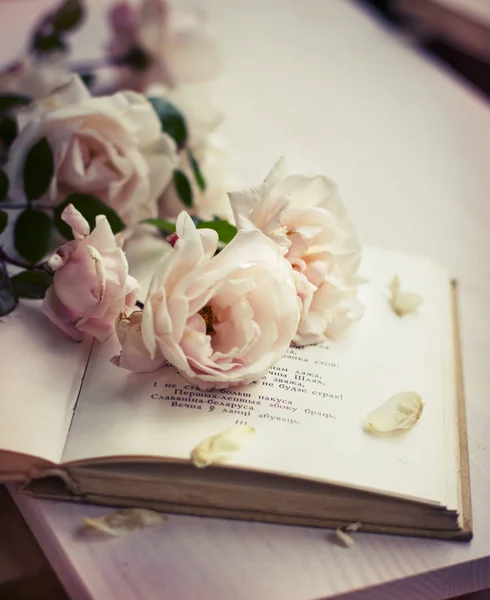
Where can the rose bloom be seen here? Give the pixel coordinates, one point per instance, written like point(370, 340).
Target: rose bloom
point(221, 319)
point(202, 120)
point(306, 217)
point(91, 285)
point(111, 147)
point(174, 42)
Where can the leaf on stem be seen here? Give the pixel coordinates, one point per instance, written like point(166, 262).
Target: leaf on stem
point(8, 130)
point(7, 298)
point(44, 44)
point(166, 226)
point(201, 183)
point(9, 101)
point(38, 169)
point(68, 16)
point(137, 58)
point(4, 185)
point(183, 188)
point(171, 119)
point(31, 284)
point(90, 206)
point(88, 78)
point(4, 219)
point(32, 234)
point(226, 231)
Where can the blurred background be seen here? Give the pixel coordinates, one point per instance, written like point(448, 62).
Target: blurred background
point(456, 32)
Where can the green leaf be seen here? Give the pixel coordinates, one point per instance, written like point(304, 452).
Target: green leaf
point(68, 16)
point(4, 219)
point(183, 188)
point(44, 44)
point(32, 234)
point(137, 58)
point(4, 185)
point(161, 224)
point(38, 169)
point(201, 183)
point(31, 284)
point(7, 298)
point(8, 130)
point(171, 119)
point(88, 79)
point(90, 206)
point(9, 101)
point(226, 231)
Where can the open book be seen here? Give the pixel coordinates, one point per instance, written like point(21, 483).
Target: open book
point(74, 426)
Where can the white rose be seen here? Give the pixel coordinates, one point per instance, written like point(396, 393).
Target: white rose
point(111, 147)
point(306, 217)
point(221, 319)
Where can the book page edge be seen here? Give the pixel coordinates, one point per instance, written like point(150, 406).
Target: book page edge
point(466, 517)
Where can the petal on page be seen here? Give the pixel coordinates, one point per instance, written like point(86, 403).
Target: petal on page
point(401, 411)
point(402, 302)
point(222, 446)
point(123, 521)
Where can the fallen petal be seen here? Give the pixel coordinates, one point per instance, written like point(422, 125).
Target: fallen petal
point(353, 526)
point(344, 538)
point(402, 302)
point(123, 521)
point(401, 411)
point(222, 446)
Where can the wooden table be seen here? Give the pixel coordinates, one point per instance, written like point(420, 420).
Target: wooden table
point(322, 83)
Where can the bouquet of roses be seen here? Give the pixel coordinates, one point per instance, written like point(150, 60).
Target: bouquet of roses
point(90, 156)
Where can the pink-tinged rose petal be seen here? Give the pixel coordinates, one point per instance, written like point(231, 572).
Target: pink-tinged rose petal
point(308, 221)
point(134, 354)
point(76, 221)
point(91, 285)
point(222, 319)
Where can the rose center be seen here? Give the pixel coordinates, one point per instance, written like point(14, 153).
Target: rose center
point(210, 319)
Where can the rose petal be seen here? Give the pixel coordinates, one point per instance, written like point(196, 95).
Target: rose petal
point(402, 302)
point(401, 411)
point(345, 539)
point(222, 446)
point(123, 521)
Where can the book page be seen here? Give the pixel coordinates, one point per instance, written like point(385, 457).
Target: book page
point(40, 376)
point(308, 410)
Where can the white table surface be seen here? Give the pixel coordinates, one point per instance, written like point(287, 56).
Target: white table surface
point(322, 83)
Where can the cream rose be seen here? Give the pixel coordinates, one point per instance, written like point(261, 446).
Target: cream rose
point(221, 319)
point(111, 147)
point(306, 217)
point(91, 285)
